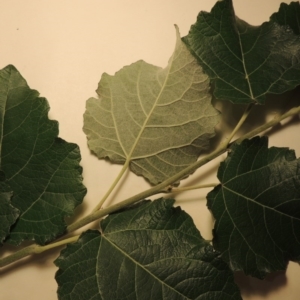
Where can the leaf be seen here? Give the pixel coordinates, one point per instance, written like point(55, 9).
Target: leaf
point(288, 14)
point(257, 207)
point(42, 170)
point(8, 213)
point(150, 251)
point(157, 119)
point(245, 62)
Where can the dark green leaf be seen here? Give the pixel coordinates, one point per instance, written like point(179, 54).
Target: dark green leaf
point(257, 208)
point(245, 62)
point(8, 213)
point(288, 14)
point(42, 170)
point(151, 251)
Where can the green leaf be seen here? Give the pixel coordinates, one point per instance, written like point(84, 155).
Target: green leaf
point(42, 170)
point(245, 62)
point(150, 251)
point(8, 213)
point(157, 119)
point(257, 208)
point(288, 14)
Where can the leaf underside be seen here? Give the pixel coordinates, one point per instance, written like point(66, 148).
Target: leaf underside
point(257, 207)
point(150, 251)
point(41, 169)
point(245, 62)
point(158, 119)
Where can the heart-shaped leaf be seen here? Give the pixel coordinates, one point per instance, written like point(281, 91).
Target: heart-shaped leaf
point(245, 62)
point(149, 251)
point(157, 119)
point(42, 170)
point(257, 208)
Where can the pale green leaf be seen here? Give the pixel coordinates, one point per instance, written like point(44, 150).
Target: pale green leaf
point(149, 251)
point(158, 119)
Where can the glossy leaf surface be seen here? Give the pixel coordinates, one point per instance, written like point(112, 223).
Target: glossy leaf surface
point(288, 14)
point(8, 213)
point(245, 62)
point(149, 251)
point(42, 170)
point(257, 208)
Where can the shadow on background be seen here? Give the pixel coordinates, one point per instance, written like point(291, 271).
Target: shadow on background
point(260, 114)
point(253, 286)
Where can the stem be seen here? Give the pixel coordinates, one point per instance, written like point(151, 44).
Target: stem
point(34, 249)
point(189, 188)
point(17, 255)
point(123, 170)
point(240, 123)
point(72, 239)
point(276, 120)
point(160, 188)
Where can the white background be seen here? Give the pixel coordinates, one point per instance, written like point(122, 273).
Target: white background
point(62, 47)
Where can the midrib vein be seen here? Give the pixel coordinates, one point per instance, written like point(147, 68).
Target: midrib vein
point(245, 69)
point(42, 193)
point(151, 111)
point(143, 267)
point(258, 203)
point(115, 123)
